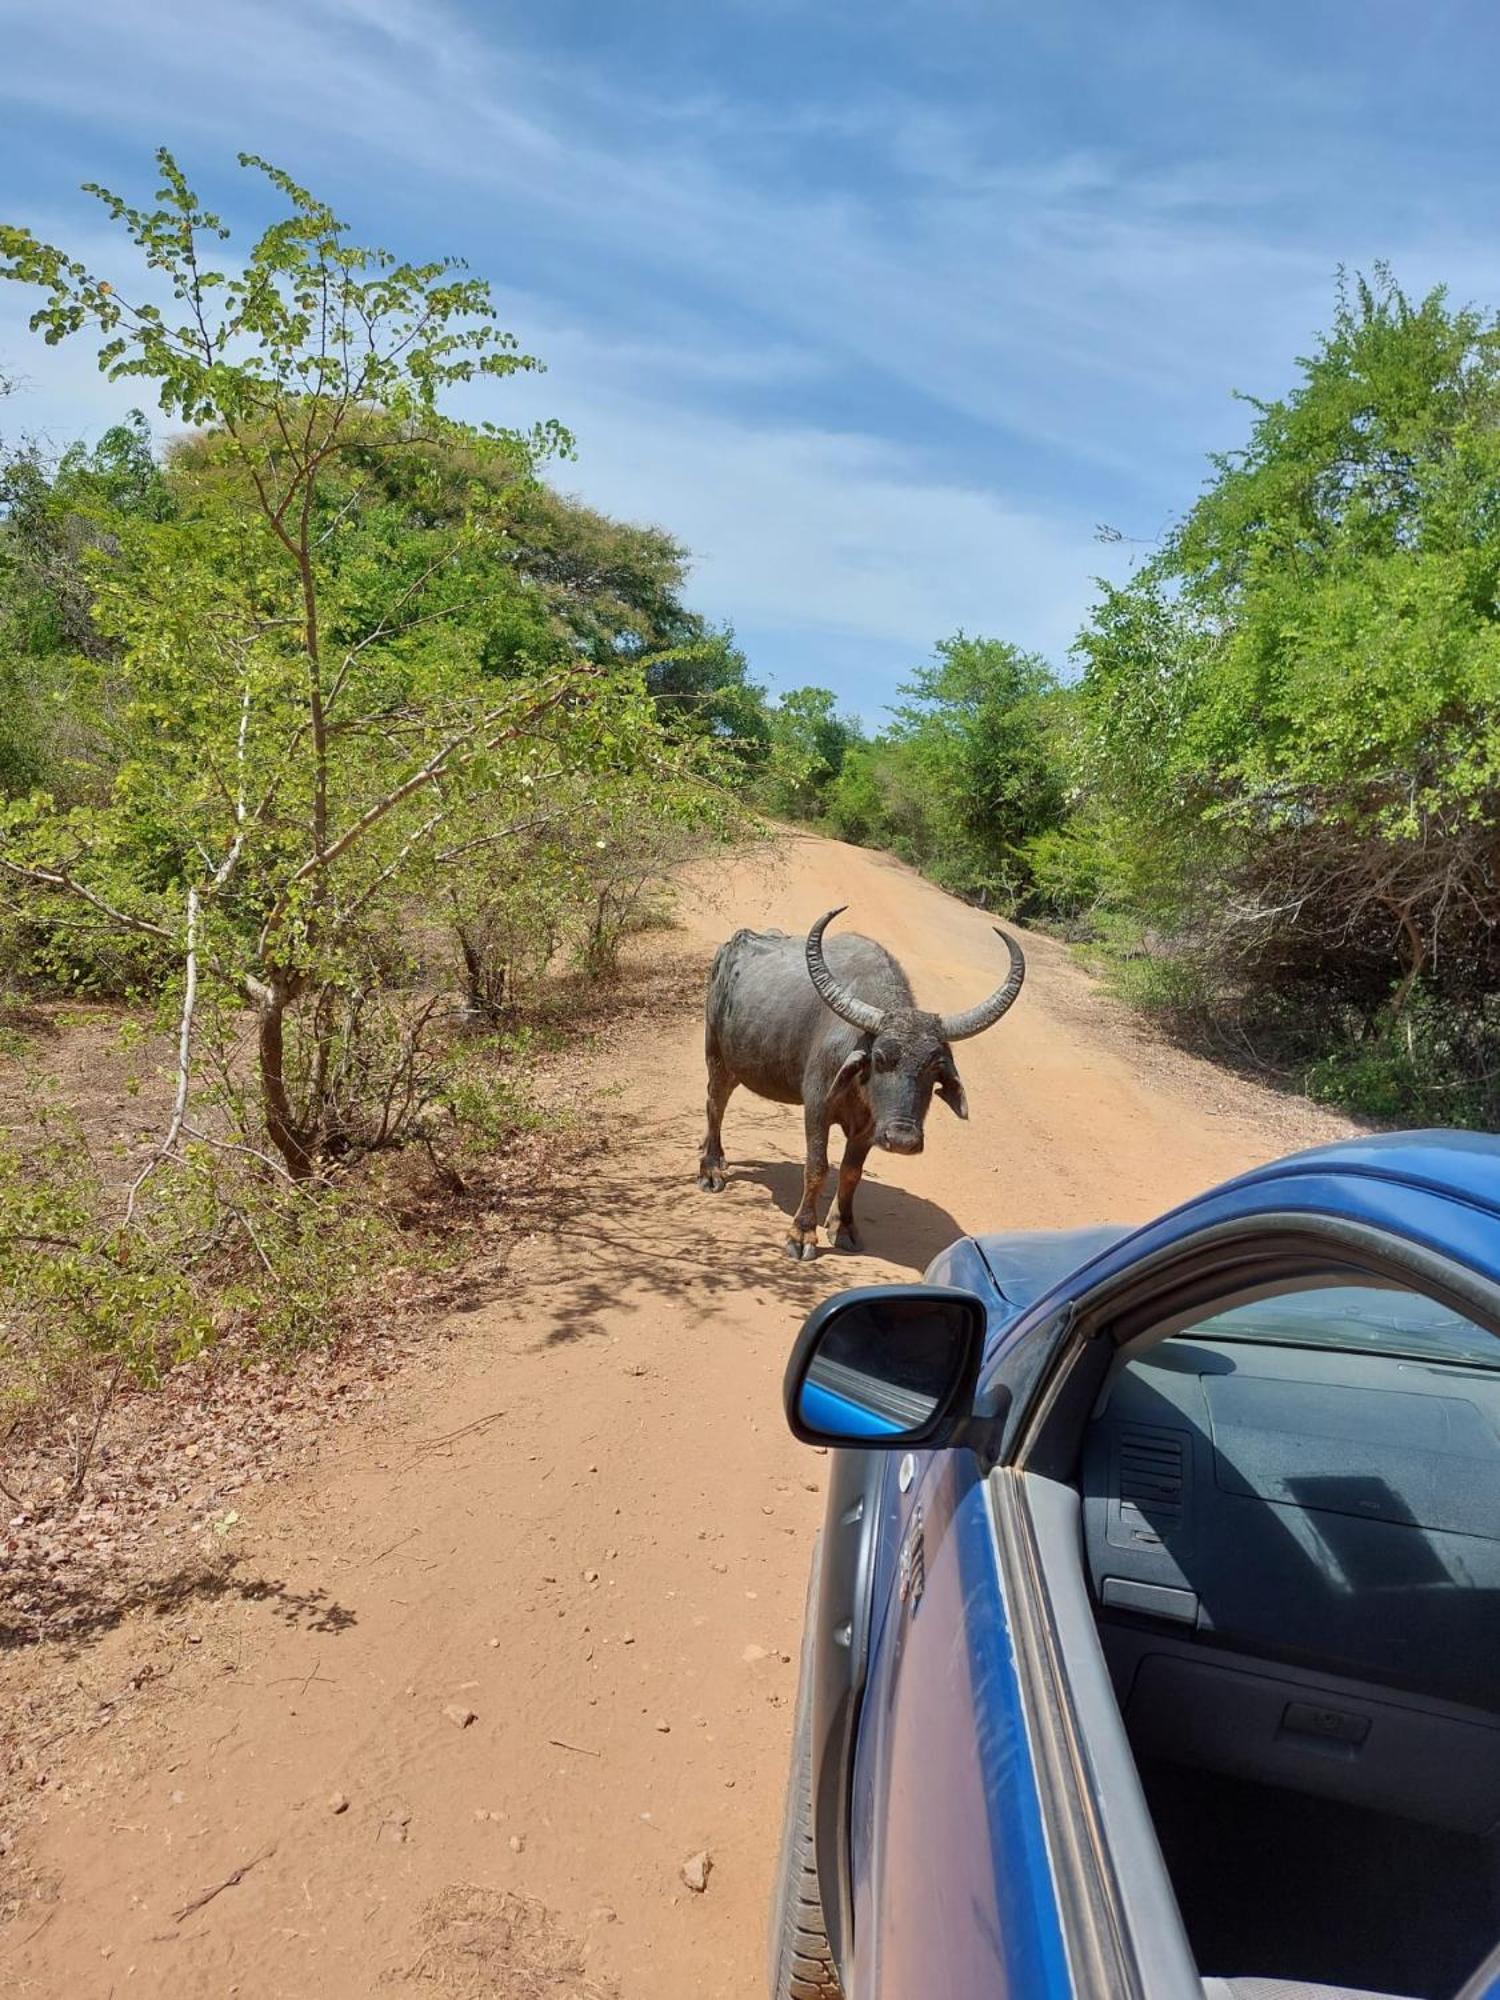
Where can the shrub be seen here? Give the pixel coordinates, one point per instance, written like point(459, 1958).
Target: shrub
point(1426, 1064)
point(1290, 715)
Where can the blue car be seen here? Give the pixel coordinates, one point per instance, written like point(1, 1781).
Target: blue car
point(1153, 1635)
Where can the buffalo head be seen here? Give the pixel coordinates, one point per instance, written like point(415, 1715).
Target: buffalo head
point(905, 1053)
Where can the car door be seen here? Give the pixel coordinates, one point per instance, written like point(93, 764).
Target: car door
point(961, 1806)
point(1000, 1838)
point(953, 1889)
point(953, 1892)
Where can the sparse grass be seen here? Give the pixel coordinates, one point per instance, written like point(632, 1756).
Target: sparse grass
point(111, 1276)
point(214, 1251)
point(1169, 988)
point(223, 1264)
point(1430, 1063)
point(1172, 986)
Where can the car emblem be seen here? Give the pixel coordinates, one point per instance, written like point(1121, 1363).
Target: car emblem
point(911, 1571)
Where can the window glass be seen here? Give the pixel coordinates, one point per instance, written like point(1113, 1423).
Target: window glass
point(1357, 1319)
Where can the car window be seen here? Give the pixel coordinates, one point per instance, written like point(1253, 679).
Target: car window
point(1357, 1319)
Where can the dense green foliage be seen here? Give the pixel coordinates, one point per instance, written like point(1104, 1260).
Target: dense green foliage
point(968, 776)
point(962, 783)
point(1272, 797)
point(1291, 717)
point(336, 647)
point(807, 741)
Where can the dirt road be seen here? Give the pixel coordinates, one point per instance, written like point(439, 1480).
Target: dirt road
point(584, 1526)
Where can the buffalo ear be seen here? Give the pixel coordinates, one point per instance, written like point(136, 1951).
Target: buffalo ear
point(855, 1068)
point(951, 1090)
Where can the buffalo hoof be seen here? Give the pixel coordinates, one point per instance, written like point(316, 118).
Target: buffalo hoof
point(802, 1249)
point(847, 1238)
point(711, 1180)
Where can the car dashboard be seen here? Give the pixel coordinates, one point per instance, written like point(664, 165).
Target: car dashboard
point(1294, 1555)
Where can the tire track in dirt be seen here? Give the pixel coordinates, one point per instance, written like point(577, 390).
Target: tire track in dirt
point(585, 1523)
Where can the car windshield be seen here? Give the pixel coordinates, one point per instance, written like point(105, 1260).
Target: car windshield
point(1361, 1318)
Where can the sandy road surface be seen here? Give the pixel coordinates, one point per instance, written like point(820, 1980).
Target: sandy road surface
point(585, 1524)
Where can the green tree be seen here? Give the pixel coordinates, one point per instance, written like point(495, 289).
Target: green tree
point(858, 806)
point(809, 740)
point(700, 681)
point(296, 724)
point(976, 730)
point(53, 519)
point(971, 772)
point(1293, 710)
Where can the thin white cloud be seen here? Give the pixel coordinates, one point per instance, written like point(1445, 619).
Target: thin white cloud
point(799, 529)
point(813, 532)
point(1018, 296)
point(711, 293)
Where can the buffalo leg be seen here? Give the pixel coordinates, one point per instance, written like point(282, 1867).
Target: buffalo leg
point(711, 1156)
point(851, 1171)
point(802, 1241)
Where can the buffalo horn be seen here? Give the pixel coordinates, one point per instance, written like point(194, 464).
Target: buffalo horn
point(958, 1027)
point(858, 1013)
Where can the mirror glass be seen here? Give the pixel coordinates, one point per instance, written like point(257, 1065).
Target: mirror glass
point(883, 1367)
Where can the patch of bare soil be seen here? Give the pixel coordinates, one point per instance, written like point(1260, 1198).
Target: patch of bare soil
point(493, 1945)
point(511, 1643)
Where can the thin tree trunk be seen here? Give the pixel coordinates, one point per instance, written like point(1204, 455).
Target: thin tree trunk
point(282, 1128)
point(1416, 959)
point(184, 1057)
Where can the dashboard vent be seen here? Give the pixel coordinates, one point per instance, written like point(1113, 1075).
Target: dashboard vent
point(1150, 1474)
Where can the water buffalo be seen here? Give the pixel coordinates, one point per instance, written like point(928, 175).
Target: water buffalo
point(840, 1034)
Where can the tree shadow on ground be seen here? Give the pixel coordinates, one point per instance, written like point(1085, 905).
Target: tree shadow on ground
point(637, 1238)
point(83, 1608)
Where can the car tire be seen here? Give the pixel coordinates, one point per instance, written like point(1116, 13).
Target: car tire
point(802, 1967)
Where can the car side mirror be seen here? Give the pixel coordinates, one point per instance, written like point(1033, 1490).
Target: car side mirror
point(886, 1366)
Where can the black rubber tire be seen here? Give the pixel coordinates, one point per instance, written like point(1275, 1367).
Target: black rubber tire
point(801, 1967)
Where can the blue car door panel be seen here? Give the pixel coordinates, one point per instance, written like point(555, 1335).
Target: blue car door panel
point(953, 1885)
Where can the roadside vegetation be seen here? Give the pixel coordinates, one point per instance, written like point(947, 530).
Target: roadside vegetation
point(1267, 801)
point(327, 734)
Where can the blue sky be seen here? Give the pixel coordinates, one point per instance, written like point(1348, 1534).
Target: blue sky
point(881, 308)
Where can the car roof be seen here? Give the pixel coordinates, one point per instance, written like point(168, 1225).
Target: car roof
point(1465, 1166)
point(1441, 1188)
